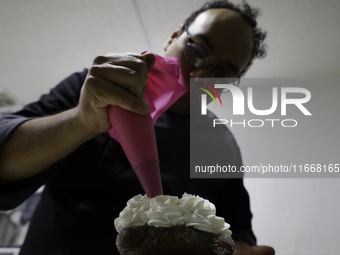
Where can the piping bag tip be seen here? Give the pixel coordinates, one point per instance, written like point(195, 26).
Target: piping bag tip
point(150, 178)
point(137, 137)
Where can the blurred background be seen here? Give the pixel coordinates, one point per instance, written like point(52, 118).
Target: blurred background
point(42, 42)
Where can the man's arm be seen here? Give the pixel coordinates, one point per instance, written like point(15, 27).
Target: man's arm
point(38, 143)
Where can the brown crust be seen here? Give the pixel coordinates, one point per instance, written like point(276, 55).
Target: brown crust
point(179, 240)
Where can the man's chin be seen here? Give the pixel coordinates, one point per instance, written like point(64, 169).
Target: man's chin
point(182, 105)
point(179, 110)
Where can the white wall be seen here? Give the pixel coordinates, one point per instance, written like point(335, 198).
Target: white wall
point(44, 41)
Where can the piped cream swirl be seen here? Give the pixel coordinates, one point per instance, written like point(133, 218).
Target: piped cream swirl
point(167, 211)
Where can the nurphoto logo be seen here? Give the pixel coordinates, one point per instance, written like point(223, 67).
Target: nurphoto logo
point(239, 104)
point(204, 97)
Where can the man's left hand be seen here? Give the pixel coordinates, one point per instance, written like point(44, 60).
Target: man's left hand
point(245, 249)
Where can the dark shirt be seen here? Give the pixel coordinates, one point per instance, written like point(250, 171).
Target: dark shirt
point(86, 190)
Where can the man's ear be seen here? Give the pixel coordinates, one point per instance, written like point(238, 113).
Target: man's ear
point(173, 37)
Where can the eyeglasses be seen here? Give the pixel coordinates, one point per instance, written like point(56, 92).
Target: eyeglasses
point(197, 57)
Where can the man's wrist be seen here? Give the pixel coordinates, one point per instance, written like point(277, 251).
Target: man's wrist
point(83, 126)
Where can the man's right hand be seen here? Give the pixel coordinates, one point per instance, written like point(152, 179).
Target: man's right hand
point(114, 79)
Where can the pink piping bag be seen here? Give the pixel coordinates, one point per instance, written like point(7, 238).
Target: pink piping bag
point(136, 133)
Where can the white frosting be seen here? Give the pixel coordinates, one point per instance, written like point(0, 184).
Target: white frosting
point(167, 211)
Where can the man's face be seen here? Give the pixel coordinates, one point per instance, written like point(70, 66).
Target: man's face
point(227, 40)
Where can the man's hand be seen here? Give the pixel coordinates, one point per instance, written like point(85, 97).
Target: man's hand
point(245, 249)
point(114, 79)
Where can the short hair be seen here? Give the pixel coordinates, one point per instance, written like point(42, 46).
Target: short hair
point(248, 13)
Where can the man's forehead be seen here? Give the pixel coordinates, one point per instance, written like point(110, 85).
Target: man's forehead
point(212, 18)
point(229, 34)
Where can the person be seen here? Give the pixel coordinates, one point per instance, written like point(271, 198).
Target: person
point(62, 141)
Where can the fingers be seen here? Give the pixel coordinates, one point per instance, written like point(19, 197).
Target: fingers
point(114, 79)
point(120, 79)
point(150, 60)
point(262, 250)
point(244, 249)
point(128, 71)
point(121, 76)
point(103, 93)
